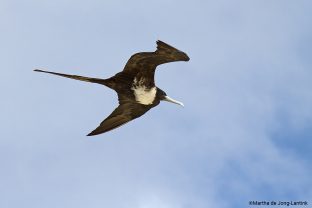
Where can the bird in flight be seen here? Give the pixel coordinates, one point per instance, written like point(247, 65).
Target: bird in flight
point(135, 85)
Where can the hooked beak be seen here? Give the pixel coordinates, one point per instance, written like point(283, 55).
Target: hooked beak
point(169, 99)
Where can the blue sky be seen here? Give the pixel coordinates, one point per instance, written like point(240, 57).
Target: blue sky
point(244, 133)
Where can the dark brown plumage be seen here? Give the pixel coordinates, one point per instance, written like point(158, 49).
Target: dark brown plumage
point(134, 85)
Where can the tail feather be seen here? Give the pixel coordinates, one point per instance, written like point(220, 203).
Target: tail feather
point(76, 77)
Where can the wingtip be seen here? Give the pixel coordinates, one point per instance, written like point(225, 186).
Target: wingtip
point(161, 45)
point(161, 42)
point(38, 70)
point(91, 134)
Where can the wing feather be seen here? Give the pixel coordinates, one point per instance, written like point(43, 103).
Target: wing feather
point(150, 60)
point(124, 113)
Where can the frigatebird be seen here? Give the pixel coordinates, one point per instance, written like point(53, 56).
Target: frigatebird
point(135, 85)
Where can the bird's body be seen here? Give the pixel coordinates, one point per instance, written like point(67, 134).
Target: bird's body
point(135, 85)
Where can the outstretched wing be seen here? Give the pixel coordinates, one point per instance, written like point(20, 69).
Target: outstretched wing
point(125, 112)
point(148, 61)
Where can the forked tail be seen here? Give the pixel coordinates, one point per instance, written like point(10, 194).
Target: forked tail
point(86, 79)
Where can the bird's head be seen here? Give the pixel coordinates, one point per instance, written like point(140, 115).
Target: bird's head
point(164, 97)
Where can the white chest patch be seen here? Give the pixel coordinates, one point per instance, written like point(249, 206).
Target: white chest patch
point(143, 95)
